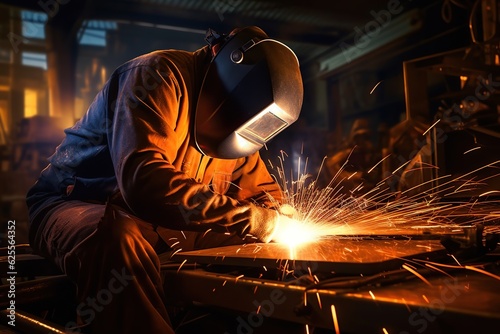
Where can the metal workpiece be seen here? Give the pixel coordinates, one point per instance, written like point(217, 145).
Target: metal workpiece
point(346, 284)
point(460, 303)
point(383, 249)
point(336, 254)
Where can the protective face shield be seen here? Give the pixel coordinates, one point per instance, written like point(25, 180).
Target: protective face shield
point(251, 92)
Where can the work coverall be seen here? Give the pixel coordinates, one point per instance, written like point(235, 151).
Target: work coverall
point(125, 182)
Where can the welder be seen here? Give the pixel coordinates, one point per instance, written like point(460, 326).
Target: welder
point(166, 157)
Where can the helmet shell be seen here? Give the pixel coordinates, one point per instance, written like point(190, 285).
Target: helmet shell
point(252, 91)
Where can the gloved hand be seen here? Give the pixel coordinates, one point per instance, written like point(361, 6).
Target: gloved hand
point(268, 224)
point(288, 210)
point(263, 223)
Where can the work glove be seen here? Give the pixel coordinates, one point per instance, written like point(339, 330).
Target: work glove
point(288, 211)
point(265, 223)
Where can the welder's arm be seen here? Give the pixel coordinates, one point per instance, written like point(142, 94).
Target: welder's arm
point(254, 183)
point(148, 122)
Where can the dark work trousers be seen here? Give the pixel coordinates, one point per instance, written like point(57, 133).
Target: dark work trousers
point(112, 256)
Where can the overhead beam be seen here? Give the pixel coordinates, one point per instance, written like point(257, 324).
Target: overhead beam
point(23, 4)
point(362, 43)
point(202, 20)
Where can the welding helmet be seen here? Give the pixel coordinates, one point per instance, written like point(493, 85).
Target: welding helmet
point(252, 90)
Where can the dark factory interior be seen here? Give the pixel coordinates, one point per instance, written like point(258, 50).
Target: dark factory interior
point(392, 167)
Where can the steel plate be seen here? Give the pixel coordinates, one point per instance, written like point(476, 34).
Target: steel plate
point(343, 256)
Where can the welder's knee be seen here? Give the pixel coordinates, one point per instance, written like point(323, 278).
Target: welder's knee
point(119, 234)
point(116, 246)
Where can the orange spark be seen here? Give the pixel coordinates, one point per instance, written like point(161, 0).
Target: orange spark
point(319, 300)
point(335, 320)
point(406, 304)
point(181, 265)
point(378, 163)
point(414, 272)
point(437, 269)
point(430, 127)
point(375, 87)
point(454, 258)
point(482, 271)
point(472, 149)
point(204, 234)
point(175, 252)
point(489, 193)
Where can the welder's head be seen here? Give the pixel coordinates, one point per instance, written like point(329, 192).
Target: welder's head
point(251, 92)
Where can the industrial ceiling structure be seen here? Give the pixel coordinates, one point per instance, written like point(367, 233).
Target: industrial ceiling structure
point(313, 22)
point(328, 36)
point(310, 27)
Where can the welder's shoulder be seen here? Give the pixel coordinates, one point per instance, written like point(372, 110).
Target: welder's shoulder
point(160, 60)
point(145, 61)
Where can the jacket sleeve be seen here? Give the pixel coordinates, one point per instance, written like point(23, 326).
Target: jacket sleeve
point(148, 114)
point(254, 183)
